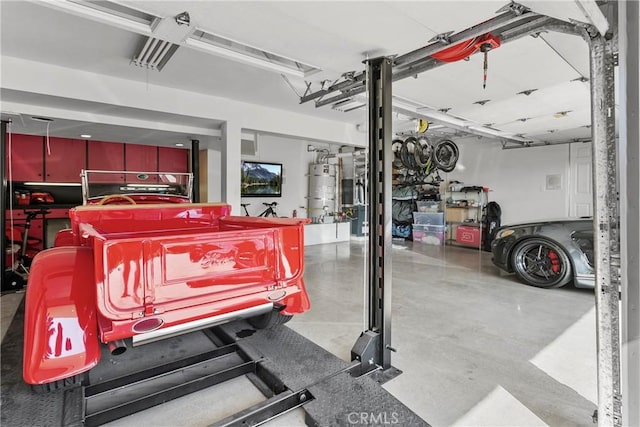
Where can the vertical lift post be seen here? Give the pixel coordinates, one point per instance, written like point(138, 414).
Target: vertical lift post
point(373, 347)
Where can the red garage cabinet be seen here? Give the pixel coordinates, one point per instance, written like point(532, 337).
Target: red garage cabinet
point(106, 156)
point(141, 158)
point(27, 159)
point(173, 159)
point(65, 159)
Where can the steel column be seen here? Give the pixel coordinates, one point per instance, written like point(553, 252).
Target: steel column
point(3, 191)
point(629, 94)
point(606, 230)
point(379, 191)
point(195, 169)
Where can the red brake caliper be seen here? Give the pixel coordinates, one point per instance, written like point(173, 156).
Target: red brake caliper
point(555, 262)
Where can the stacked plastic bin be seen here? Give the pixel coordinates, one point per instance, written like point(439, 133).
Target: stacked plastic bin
point(428, 224)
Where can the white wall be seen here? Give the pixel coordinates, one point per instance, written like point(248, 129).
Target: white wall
point(293, 155)
point(69, 93)
point(24, 76)
point(517, 177)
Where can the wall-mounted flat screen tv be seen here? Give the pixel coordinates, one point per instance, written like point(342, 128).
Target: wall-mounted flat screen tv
point(260, 179)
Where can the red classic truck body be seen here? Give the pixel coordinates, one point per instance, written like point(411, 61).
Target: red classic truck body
point(150, 271)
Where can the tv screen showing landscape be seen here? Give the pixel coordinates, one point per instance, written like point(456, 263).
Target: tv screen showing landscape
point(260, 179)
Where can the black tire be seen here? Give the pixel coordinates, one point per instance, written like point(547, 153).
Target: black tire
point(407, 153)
point(422, 152)
point(541, 263)
point(445, 155)
point(269, 320)
point(396, 146)
point(71, 382)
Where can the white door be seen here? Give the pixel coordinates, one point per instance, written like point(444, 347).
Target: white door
point(580, 191)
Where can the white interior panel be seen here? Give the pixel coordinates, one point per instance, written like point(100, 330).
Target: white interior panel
point(523, 64)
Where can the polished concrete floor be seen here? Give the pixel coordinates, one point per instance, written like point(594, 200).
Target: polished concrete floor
point(476, 347)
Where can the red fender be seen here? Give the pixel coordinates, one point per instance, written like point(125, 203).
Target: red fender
point(60, 326)
point(64, 238)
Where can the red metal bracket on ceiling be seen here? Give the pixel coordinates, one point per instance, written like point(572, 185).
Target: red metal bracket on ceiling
point(467, 48)
point(483, 43)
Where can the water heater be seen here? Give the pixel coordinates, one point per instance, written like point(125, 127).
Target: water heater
point(322, 189)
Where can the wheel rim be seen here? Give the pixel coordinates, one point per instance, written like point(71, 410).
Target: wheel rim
point(445, 155)
point(540, 263)
point(422, 151)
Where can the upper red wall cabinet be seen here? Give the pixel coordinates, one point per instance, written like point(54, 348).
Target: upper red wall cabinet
point(106, 156)
point(141, 158)
point(66, 159)
point(26, 158)
point(173, 160)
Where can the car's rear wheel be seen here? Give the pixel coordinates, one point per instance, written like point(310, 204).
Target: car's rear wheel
point(542, 263)
point(269, 320)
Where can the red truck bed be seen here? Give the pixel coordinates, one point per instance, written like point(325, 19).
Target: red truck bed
point(165, 267)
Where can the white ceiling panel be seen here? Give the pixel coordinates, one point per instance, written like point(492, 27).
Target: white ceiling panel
point(581, 133)
point(567, 96)
point(444, 16)
point(32, 31)
point(341, 36)
point(548, 123)
point(574, 50)
point(335, 36)
point(524, 64)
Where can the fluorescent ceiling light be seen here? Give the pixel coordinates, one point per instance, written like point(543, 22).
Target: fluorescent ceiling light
point(236, 51)
point(179, 144)
point(85, 135)
point(155, 53)
point(131, 19)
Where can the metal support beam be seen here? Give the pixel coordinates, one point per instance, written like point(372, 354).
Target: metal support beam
point(342, 86)
point(629, 166)
point(379, 192)
point(509, 31)
point(380, 243)
point(3, 191)
point(606, 230)
point(195, 169)
point(488, 26)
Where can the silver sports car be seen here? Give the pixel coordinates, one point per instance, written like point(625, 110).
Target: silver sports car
point(547, 254)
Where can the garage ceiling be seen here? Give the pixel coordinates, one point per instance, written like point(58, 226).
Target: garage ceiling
point(332, 36)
